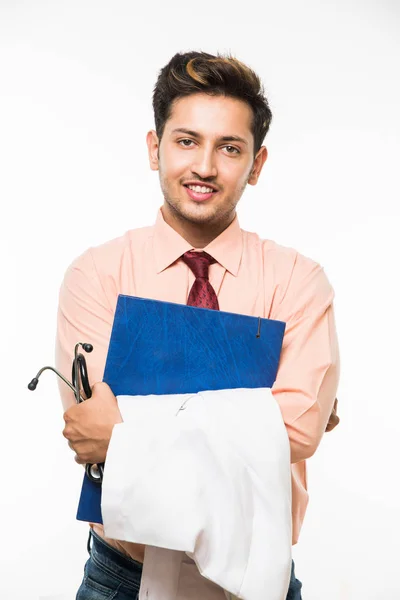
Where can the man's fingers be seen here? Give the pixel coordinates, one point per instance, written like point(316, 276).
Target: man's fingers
point(76, 457)
point(333, 419)
point(332, 424)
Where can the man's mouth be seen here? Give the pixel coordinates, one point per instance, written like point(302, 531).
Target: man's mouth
point(200, 192)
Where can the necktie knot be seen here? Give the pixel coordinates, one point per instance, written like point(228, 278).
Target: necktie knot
point(199, 263)
point(202, 293)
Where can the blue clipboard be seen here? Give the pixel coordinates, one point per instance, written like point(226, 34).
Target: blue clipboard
point(165, 348)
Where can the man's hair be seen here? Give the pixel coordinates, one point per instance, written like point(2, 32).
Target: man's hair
point(222, 75)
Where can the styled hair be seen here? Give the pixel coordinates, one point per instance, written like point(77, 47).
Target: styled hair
point(222, 75)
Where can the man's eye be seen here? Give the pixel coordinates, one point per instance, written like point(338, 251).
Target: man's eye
point(185, 145)
point(235, 150)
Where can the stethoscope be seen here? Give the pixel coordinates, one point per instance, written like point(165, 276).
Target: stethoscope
point(80, 379)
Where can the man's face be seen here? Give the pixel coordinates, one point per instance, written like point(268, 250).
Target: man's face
point(207, 140)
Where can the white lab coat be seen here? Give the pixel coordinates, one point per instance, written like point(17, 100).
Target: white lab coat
point(204, 481)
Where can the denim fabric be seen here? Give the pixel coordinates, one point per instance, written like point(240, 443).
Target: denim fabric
point(294, 592)
point(110, 575)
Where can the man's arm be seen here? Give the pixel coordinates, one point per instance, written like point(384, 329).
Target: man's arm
point(308, 375)
point(84, 315)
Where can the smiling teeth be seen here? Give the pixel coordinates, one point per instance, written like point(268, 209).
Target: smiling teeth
point(199, 189)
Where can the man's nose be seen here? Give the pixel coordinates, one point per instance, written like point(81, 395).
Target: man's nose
point(204, 164)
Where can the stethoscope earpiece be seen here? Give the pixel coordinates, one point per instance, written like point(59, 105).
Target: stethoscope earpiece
point(32, 385)
point(87, 347)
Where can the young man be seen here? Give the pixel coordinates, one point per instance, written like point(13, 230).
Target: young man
point(211, 118)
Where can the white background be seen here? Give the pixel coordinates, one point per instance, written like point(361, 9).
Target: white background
point(76, 82)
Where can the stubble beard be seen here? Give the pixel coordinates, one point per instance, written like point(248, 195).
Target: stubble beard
point(199, 214)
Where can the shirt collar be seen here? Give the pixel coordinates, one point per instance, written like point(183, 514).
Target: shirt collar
point(169, 245)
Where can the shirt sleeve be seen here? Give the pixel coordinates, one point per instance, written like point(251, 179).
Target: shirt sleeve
point(84, 315)
point(308, 374)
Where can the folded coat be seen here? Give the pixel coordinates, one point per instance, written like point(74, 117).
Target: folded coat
point(204, 481)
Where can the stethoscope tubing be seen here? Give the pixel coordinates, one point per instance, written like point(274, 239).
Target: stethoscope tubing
point(79, 378)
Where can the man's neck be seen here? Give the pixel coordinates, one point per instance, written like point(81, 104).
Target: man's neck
point(198, 235)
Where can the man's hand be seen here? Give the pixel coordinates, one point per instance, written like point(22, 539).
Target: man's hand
point(333, 419)
point(89, 425)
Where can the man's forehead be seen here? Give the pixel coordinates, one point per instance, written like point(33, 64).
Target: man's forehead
point(217, 116)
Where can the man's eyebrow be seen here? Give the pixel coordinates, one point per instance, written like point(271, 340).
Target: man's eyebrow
point(225, 138)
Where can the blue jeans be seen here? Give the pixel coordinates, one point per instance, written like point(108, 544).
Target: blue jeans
point(110, 575)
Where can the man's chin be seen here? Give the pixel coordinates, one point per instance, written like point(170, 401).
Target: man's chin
point(200, 216)
point(196, 213)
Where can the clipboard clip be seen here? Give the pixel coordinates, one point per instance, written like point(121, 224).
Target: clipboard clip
point(258, 334)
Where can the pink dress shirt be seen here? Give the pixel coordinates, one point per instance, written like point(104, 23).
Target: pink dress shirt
point(252, 277)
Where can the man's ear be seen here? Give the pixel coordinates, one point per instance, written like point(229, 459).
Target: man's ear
point(258, 164)
point(153, 148)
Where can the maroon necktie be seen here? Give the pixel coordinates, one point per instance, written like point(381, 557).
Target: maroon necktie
point(202, 293)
